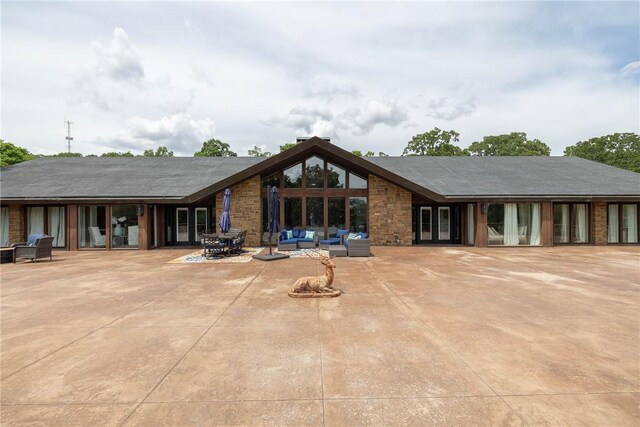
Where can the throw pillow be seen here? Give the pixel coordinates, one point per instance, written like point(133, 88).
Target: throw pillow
point(309, 234)
point(289, 234)
point(352, 236)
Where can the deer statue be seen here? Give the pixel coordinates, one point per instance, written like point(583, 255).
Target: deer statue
point(316, 284)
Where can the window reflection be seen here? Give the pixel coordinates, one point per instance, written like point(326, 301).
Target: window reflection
point(314, 169)
point(356, 181)
point(336, 176)
point(293, 176)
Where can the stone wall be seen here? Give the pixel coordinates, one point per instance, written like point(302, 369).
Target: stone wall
point(389, 213)
point(599, 223)
point(16, 224)
point(245, 209)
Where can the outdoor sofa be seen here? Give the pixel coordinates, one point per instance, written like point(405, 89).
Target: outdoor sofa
point(36, 246)
point(336, 240)
point(298, 238)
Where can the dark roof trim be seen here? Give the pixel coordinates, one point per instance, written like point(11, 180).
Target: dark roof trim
point(313, 145)
point(534, 197)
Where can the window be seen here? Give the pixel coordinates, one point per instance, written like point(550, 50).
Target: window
point(623, 223)
point(336, 177)
point(320, 196)
point(272, 181)
point(315, 213)
point(629, 224)
point(513, 224)
point(293, 176)
point(336, 215)
point(358, 214)
point(357, 182)
point(314, 170)
point(570, 223)
point(292, 212)
point(48, 220)
point(124, 226)
point(4, 227)
point(201, 223)
point(92, 223)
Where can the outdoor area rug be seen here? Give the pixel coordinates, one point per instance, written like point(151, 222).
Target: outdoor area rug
point(196, 257)
point(316, 253)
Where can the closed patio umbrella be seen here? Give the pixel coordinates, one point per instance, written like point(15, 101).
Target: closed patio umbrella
point(225, 220)
point(274, 214)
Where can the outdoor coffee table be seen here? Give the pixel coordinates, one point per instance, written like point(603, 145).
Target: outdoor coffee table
point(6, 255)
point(337, 250)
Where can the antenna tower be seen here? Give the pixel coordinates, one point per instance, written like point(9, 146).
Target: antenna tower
point(68, 137)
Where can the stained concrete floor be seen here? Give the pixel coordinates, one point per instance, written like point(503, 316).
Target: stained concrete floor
point(421, 336)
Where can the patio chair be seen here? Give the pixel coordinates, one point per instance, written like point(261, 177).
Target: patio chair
point(495, 238)
point(37, 246)
point(359, 247)
point(97, 239)
point(212, 245)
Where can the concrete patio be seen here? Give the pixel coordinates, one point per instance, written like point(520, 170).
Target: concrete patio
point(421, 336)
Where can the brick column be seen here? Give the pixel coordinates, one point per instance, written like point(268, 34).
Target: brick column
point(245, 210)
point(389, 213)
point(16, 224)
point(599, 223)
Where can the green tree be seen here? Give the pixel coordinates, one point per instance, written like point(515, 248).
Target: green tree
point(256, 151)
point(286, 146)
point(436, 142)
point(117, 154)
point(621, 150)
point(367, 154)
point(161, 151)
point(11, 154)
point(513, 144)
point(215, 148)
point(65, 154)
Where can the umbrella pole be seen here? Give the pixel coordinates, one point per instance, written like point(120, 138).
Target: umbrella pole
point(269, 216)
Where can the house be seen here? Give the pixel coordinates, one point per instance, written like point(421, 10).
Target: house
point(149, 202)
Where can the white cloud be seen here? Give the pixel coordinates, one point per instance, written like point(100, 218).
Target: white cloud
point(450, 109)
point(180, 133)
point(630, 69)
point(119, 61)
point(358, 81)
point(375, 113)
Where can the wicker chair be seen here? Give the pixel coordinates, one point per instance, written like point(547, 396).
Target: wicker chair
point(359, 247)
point(38, 247)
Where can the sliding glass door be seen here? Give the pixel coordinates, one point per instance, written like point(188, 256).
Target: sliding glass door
point(201, 223)
point(623, 223)
point(182, 225)
point(437, 224)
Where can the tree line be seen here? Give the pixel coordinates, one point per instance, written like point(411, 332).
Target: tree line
point(619, 149)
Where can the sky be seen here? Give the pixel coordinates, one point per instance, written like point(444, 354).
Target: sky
point(133, 76)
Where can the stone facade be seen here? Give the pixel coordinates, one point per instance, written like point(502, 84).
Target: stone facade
point(16, 224)
point(245, 210)
point(599, 223)
point(389, 213)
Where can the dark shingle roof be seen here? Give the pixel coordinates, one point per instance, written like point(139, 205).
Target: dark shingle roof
point(513, 176)
point(180, 177)
point(117, 177)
